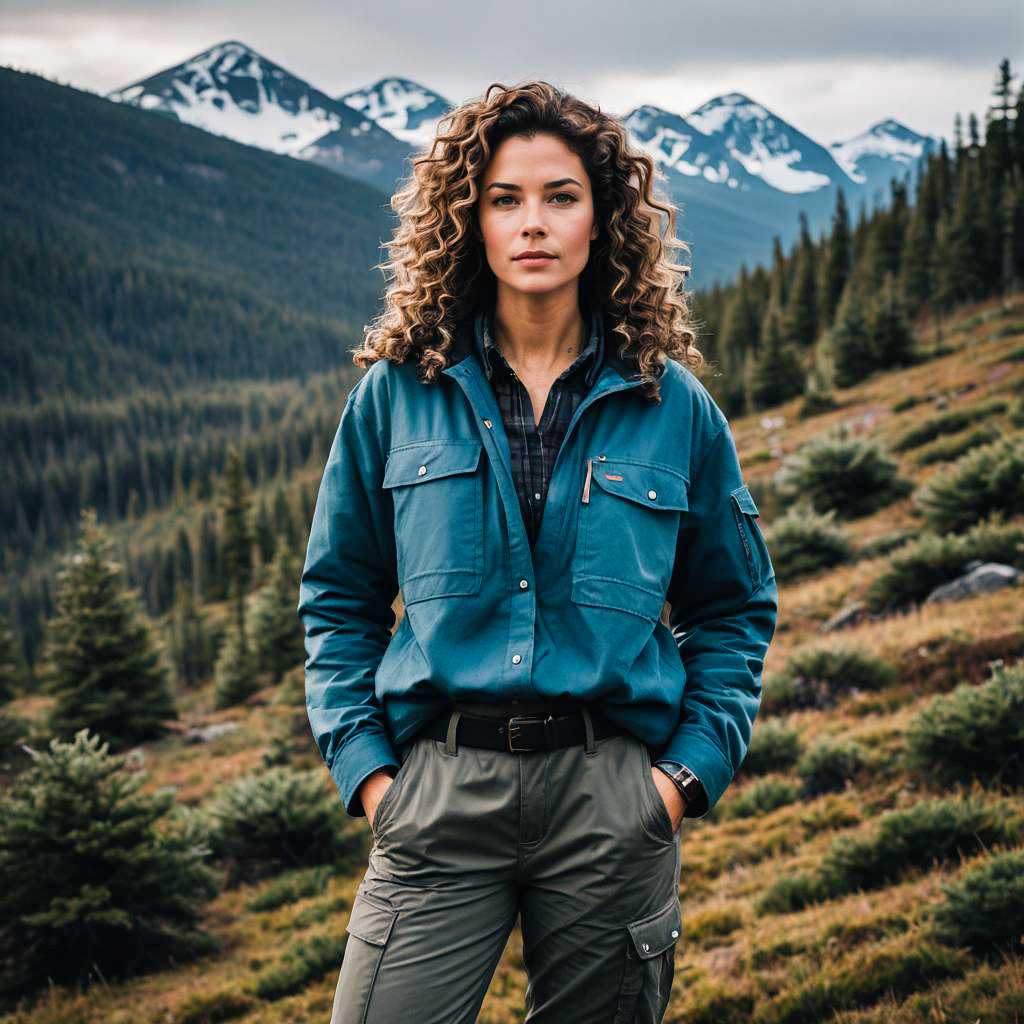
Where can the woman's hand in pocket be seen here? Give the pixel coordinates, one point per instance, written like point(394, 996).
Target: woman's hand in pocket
point(372, 791)
point(674, 801)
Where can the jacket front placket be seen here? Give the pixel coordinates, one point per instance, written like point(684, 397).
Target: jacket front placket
point(522, 563)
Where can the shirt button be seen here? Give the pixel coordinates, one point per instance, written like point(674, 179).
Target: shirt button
point(523, 584)
point(422, 470)
point(487, 424)
point(652, 495)
point(516, 658)
point(602, 458)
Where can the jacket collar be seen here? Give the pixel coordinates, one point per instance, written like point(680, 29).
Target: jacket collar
point(465, 346)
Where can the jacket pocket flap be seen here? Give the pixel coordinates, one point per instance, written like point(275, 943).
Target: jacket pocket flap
point(654, 934)
point(429, 460)
point(744, 500)
point(370, 920)
point(644, 482)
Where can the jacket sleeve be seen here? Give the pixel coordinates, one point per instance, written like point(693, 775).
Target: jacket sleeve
point(724, 604)
point(347, 588)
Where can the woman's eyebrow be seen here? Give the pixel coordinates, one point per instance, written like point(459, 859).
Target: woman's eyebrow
point(519, 188)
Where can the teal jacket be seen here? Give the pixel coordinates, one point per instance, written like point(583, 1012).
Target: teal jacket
point(646, 504)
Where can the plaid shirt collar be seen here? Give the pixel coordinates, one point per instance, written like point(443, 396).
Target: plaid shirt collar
point(489, 354)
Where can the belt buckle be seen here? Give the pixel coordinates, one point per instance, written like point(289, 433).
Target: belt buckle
point(512, 729)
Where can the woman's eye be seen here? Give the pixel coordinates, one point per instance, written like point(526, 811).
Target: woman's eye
point(565, 195)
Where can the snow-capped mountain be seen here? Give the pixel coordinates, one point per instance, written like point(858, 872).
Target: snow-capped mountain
point(886, 150)
point(234, 91)
point(737, 143)
point(739, 172)
point(406, 109)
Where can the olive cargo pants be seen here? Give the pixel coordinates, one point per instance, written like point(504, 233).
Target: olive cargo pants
point(579, 843)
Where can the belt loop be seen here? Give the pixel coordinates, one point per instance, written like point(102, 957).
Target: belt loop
point(451, 745)
point(591, 747)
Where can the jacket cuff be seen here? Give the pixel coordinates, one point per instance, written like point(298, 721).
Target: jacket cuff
point(359, 758)
point(692, 750)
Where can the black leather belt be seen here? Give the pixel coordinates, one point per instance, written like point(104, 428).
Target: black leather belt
point(520, 734)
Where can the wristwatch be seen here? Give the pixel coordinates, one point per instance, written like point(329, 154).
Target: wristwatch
point(687, 783)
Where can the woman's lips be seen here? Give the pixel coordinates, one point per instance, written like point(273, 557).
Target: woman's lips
point(534, 261)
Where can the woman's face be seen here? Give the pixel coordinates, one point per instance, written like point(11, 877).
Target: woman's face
point(535, 195)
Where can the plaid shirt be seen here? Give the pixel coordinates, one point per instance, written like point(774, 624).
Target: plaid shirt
point(533, 447)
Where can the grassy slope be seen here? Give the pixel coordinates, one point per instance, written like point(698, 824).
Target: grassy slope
point(730, 963)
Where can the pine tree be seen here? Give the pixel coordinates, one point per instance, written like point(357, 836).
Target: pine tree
point(191, 646)
point(102, 665)
point(9, 668)
point(838, 263)
point(236, 672)
point(892, 339)
point(850, 340)
point(236, 531)
point(775, 373)
point(277, 632)
point(91, 886)
point(266, 538)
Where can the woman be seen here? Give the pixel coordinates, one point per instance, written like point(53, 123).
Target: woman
point(530, 461)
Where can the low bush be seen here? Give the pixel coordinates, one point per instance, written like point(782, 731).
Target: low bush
point(760, 797)
point(803, 541)
point(773, 747)
point(975, 732)
point(984, 909)
point(936, 831)
point(946, 423)
point(917, 568)
point(303, 964)
point(827, 767)
point(986, 480)
point(277, 819)
point(852, 475)
point(815, 677)
point(953, 448)
point(294, 886)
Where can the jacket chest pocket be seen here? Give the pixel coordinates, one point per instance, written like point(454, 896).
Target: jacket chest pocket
point(437, 491)
point(629, 520)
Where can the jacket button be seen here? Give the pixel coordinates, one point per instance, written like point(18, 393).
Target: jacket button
point(516, 658)
point(487, 424)
point(652, 495)
point(523, 584)
point(421, 470)
point(602, 458)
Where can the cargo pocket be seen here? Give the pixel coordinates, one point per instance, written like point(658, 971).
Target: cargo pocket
point(369, 928)
point(650, 966)
point(745, 513)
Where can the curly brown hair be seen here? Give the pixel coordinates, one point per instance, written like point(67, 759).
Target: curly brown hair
point(438, 269)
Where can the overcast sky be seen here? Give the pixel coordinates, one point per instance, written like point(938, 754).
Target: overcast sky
point(831, 70)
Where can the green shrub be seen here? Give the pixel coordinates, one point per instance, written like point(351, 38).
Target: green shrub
point(984, 909)
point(760, 797)
point(815, 677)
point(827, 767)
point(891, 968)
point(815, 402)
point(954, 447)
point(973, 732)
point(773, 747)
point(916, 569)
point(885, 544)
point(907, 402)
point(303, 964)
point(278, 819)
point(803, 541)
point(936, 831)
point(985, 480)
point(90, 885)
point(951, 422)
point(852, 475)
point(294, 886)
point(789, 893)
point(214, 1007)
